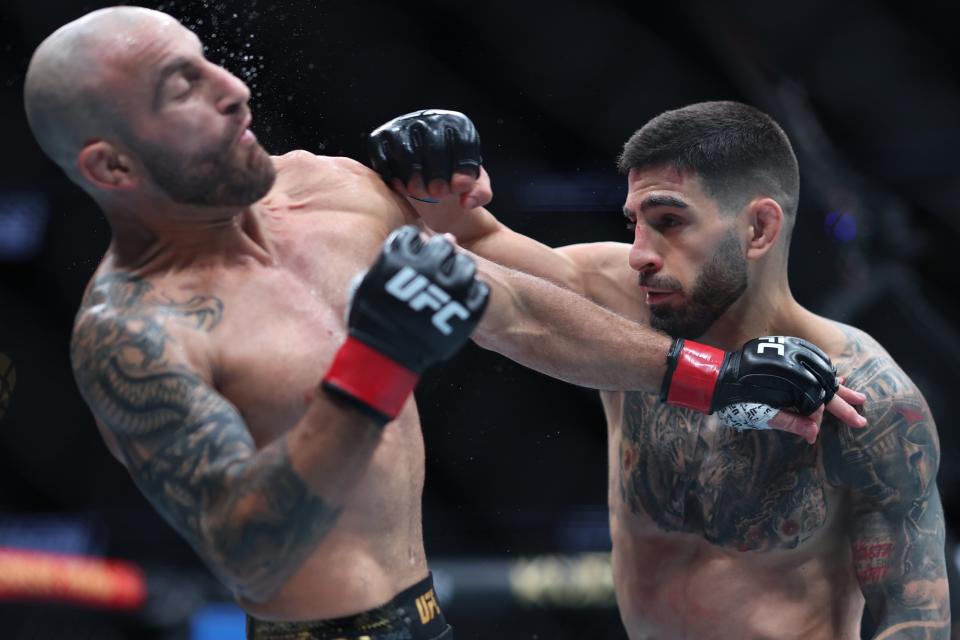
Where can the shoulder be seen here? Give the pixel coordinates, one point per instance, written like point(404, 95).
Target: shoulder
point(606, 277)
point(300, 160)
point(599, 256)
point(341, 183)
point(870, 369)
point(125, 324)
point(895, 458)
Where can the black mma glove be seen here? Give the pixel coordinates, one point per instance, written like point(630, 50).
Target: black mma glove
point(432, 142)
point(417, 305)
point(783, 372)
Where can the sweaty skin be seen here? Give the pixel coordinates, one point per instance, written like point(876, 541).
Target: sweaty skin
point(260, 334)
point(719, 533)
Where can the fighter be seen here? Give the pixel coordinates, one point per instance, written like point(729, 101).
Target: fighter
point(719, 533)
point(266, 416)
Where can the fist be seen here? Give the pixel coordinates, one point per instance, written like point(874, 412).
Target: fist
point(419, 301)
point(433, 143)
point(779, 371)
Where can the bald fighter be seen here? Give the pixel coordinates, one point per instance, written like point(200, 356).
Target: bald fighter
point(267, 417)
point(719, 533)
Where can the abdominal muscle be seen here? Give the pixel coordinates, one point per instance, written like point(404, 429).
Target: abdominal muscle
point(674, 586)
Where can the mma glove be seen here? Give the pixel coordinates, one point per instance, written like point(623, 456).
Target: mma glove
point(433, 142)
point(779, 371)
point(416, 305)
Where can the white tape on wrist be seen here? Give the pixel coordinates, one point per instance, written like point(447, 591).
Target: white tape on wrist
point(747, 415)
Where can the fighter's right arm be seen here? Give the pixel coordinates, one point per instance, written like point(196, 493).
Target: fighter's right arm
point(598, 271)
point(434, 155)
point(252, 515)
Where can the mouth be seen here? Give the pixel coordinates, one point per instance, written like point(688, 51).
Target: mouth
point(659, 296)
point(246, 136)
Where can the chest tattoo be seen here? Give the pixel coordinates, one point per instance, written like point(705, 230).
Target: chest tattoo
point(749, 490)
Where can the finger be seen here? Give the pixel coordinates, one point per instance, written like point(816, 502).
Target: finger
point(397, 186)
point(462, 182)
point(477, 197)
point(804, 426)
point(438, 188)
point(416, 188)
point(845, 413)
point(851, 396)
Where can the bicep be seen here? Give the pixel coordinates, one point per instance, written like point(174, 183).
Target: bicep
point(897, 531)
point(175, 434)
point(607, 278)
point(898, 557)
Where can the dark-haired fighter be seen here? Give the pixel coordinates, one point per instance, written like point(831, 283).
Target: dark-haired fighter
point(720, 533)
point(277, 438)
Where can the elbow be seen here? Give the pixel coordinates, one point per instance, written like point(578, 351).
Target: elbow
point(255, 552)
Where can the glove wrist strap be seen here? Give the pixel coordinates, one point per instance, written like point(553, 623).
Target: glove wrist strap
point(692, 373)
point(370, 379)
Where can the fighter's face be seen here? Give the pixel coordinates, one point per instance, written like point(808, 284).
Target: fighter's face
point(188, 121)
point(687, 252)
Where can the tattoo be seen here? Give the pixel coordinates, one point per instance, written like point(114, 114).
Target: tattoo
point(247, 513)
point(766, 490)
point(890, 471)
point(749, 490)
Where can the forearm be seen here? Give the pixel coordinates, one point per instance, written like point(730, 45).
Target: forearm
point(279, 503)
point(562, 334)
point(480, 232)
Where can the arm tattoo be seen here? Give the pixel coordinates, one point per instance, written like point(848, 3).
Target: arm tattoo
point(890, 469)
point(248, 514)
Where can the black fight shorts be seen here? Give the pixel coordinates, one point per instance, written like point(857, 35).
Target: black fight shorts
point(413, 614)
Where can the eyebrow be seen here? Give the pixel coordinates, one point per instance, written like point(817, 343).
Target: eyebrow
point(172, 67)
point(652, 201)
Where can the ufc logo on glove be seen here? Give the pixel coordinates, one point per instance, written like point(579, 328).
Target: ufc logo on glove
point(776, 343)
point(419, 293)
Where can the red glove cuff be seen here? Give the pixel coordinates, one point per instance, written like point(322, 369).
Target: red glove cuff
point(373, 379)
point(695, 376)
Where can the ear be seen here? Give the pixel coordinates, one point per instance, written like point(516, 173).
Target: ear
point(105, 167)
point(764, 224)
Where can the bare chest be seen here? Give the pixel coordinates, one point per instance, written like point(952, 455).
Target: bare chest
point(746, 490)
point(282, 325)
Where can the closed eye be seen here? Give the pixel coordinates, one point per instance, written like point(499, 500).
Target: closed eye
point(666, 221)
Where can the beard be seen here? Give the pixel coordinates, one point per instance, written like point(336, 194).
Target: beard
point(216, 178)
point(720, 283)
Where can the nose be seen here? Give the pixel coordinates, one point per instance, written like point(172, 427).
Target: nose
point(643, 256)
point(232, 92)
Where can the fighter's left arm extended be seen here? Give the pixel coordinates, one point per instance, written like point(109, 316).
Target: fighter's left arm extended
point(897, 534)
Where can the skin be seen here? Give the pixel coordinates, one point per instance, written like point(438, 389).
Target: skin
point(207, 326)
point(719, 533)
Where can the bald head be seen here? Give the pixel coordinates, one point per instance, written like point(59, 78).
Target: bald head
point(68, 94)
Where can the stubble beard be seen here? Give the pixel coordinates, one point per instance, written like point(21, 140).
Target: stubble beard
point(720, 283)
point(223, 177)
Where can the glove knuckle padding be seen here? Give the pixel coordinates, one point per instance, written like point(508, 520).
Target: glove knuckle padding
point(436, 153)
point(432, 141)
point(417, 304)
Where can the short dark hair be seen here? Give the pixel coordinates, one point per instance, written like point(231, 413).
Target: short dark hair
point(737, 152)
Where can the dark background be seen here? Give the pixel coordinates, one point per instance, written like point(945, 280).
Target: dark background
point(516, 463)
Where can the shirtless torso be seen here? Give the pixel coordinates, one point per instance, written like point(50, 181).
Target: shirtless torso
point(719, 533)
point(726, 534)
point(261, 335)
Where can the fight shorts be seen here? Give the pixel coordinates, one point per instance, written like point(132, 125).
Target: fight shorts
point(413, 614)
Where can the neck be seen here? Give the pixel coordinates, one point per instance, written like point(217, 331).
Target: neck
point(766, 308)
point(173, 239)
